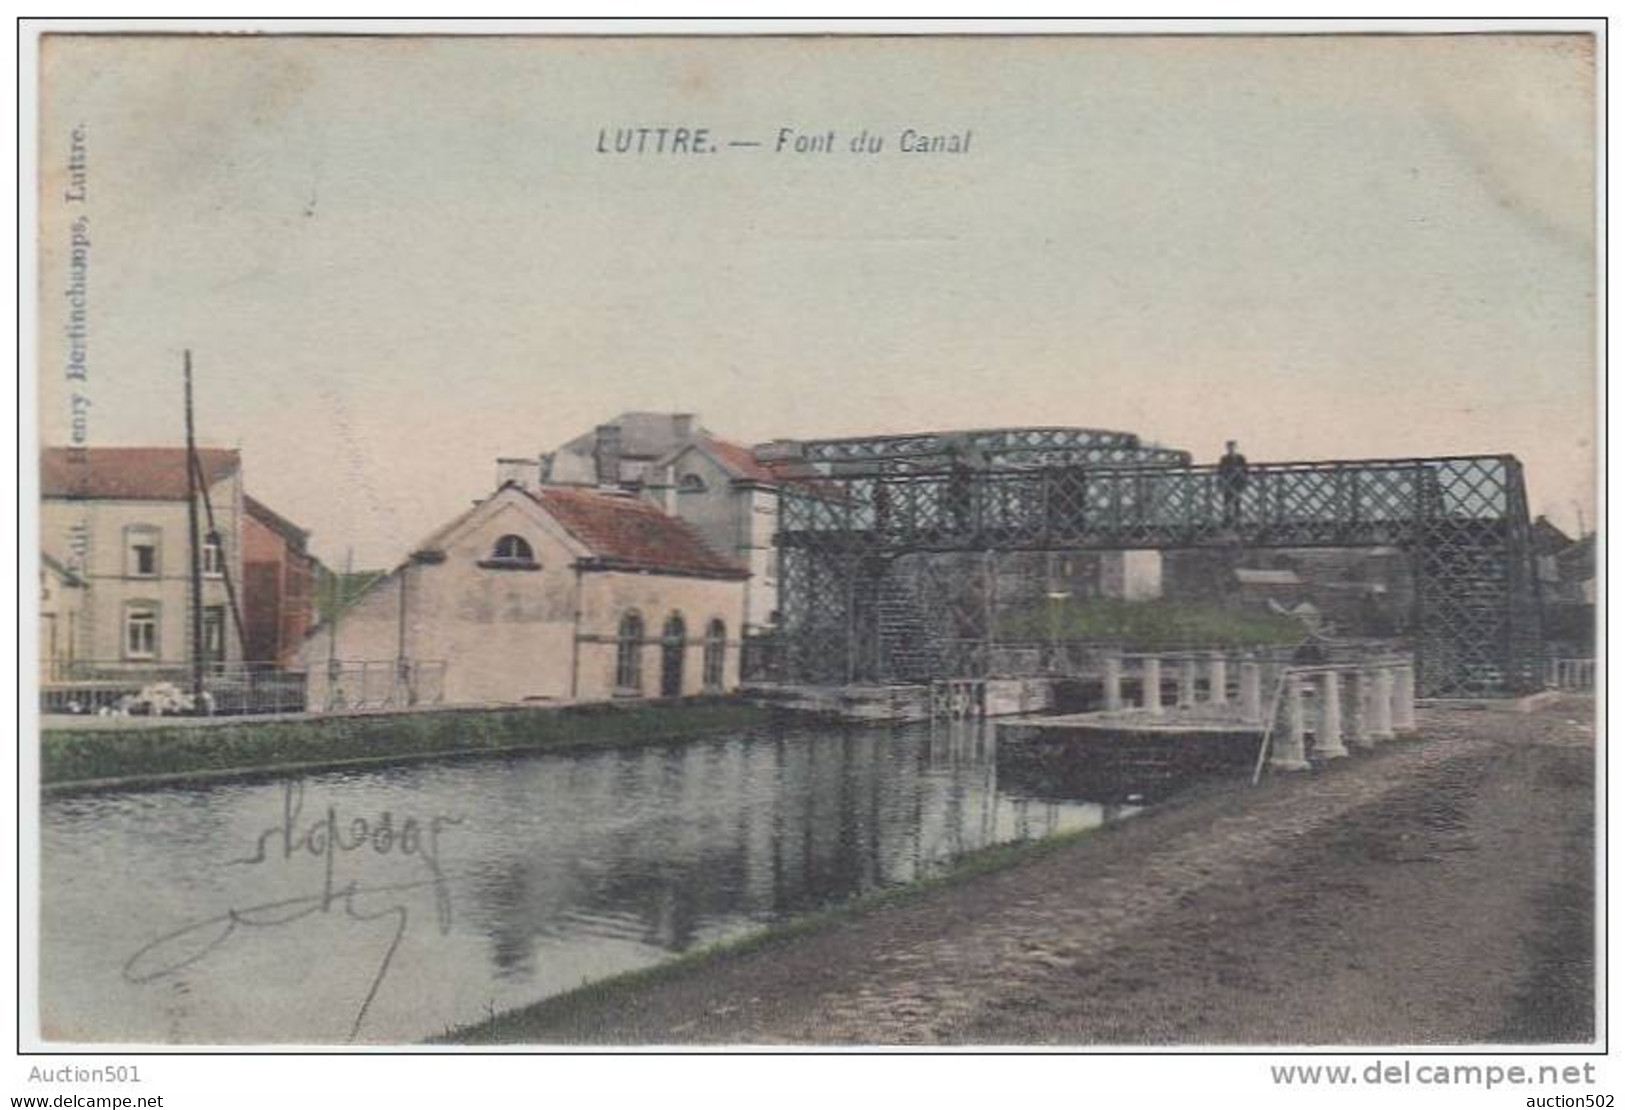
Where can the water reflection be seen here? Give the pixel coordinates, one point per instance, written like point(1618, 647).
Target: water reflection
point(565, 868)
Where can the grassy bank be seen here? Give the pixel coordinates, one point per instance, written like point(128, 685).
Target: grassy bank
point(554, 1020)
point(71, 755)
point(1153, 625)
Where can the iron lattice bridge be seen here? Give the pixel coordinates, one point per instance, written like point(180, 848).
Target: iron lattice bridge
point(888, 557)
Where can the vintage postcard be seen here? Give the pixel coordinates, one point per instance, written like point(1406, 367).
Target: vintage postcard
point(1067, 540)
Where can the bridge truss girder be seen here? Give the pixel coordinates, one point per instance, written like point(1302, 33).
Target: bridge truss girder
point(1000, 448)
point(855, 544)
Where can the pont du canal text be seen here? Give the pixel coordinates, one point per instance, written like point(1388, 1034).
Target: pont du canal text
point(671, 140)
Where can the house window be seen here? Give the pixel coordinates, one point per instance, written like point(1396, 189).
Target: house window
point(716, 646)
point(511, 553)
point(691, 483)
point(141, 630)
point(214, 634)
point(141, 551)
point(214, 556)
point(629, 653)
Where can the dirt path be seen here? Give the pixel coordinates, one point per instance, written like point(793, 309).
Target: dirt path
point(1439, 890)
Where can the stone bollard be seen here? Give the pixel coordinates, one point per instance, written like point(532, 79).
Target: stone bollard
point(1252, 702)
point(1382, 704)
point(1218, 678)
point(1286, 752)
point(1329, 729)
point(1113, 682)
point(1151, 685)
point(1187, 682)
point(1359, 689)
point(1404, 709)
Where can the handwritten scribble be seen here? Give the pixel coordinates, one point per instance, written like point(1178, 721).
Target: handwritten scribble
point(325, 838)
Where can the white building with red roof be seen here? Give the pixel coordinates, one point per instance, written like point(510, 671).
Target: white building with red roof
point(545, 593)
point(728, 494)
point(115, 520)
point(115, 545)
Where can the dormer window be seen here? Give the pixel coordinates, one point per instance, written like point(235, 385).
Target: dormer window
point(511, 553)
point(691, 483)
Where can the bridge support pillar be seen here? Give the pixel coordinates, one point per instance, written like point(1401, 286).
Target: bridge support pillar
point(1360, 693)
point(1382, 704)
point(1405, 699)
point(1151, 685)
point(1112, 682)
point(1218, 679)
point(1329, 728)
point(1252, 702)
point(1286, 752)
point(1187, 682)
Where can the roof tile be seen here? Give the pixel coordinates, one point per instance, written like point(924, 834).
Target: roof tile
point(741, 462)
point(127, 473)
point(625, 533)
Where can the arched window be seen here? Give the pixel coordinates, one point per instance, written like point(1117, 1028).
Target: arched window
point(511, 553)
point(673, 641)
point(629, 653)
point(691, 483)
point(716, 647)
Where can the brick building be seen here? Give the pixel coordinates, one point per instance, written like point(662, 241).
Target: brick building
point(279, 577)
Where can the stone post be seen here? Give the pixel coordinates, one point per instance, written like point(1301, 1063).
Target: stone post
point(1218, 677)
point(1112, 680)
point(1405, 699)
point(1382, 701)
point(1329, 729)
point(1360, 708)
point(1187, 682)
point(1151, 685)
point(1286, 752)
point(1252, 704)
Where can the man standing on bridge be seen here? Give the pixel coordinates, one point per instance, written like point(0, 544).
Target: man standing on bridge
point(1232, 482)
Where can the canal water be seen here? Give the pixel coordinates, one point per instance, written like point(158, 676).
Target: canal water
point(389, 905)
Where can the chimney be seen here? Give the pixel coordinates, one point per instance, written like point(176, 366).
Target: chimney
point(682, 426)
point(606, 454)
point(520, 472)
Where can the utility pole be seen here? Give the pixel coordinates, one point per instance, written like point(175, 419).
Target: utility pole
point(337, 598)
point(198, 646)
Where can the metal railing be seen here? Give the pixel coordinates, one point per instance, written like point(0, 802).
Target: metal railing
point(1278, 504)
point(376, 684)
point(134, 688)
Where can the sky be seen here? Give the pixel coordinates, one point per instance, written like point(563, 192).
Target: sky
point(395, 260)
